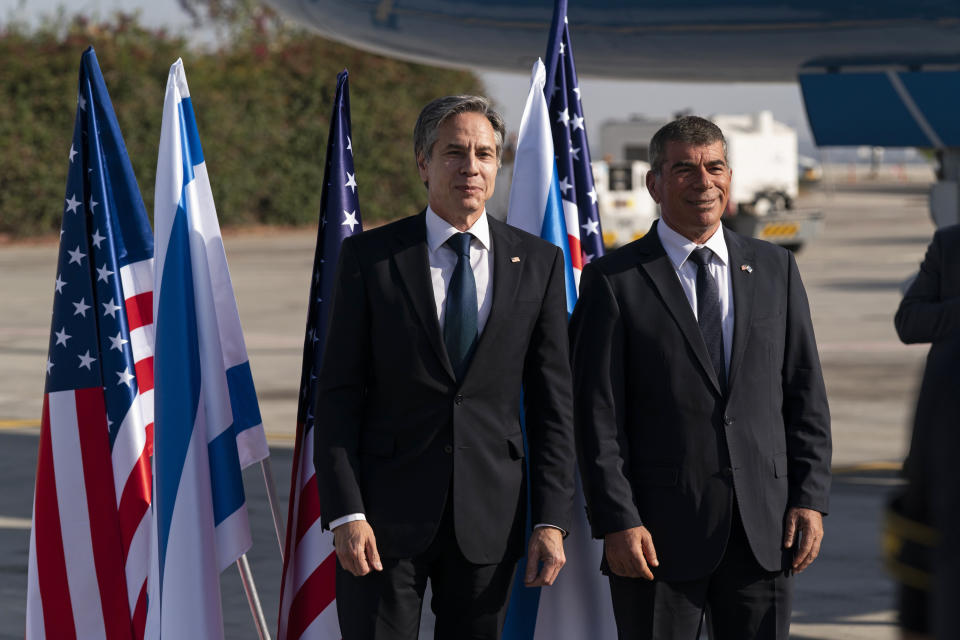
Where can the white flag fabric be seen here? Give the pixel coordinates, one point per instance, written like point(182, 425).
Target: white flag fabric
point(536, 205)
point(208, 425)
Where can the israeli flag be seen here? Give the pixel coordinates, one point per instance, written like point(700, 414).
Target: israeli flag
point(207, 420)
point(535, 202)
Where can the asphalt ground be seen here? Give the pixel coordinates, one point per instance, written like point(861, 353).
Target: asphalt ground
point(873, 239)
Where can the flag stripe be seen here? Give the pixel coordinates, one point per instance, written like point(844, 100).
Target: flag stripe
point(72, 502)
point(290, 548)
point(50, 559)
point(104, 527)
point(318, 543)
point(313, 596)
point(178, 375)
point(576, 253)
point(225, 467)
point(131, 441)
point(139, 310)
point(141, 344)
point(144, 371)
point(243, 398)
point(134, 501)
point(34, 627)
point(325, 625)
point(309, 510)
point(140, 613)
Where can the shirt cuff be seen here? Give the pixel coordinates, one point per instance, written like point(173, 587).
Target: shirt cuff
point(345, 519)
point(544, 524)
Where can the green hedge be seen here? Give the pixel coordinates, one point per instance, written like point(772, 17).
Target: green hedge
point(262, 107)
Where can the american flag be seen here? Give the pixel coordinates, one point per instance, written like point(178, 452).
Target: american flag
point(89, 544)
point(562, 92)
point(308, 596)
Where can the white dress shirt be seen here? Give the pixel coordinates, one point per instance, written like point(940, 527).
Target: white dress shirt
point(443, 260)
point(678, 250)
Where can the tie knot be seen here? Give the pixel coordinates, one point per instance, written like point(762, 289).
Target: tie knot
point(701, 256)
point(460, 243)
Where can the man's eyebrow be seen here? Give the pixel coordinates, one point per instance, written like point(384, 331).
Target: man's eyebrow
point(454, 146)
point(683, 164)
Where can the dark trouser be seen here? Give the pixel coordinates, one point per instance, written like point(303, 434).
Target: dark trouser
point(469, 600)
point(745, 601)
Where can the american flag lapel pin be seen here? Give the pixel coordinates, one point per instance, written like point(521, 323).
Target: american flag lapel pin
point(515, 259)
point(747, 268)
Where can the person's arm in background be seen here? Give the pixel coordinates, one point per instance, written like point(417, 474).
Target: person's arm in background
point(923, 315)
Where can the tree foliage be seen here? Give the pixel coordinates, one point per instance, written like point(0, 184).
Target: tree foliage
point(262, 103)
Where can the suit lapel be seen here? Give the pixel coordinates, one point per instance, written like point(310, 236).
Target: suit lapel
point(743, 287)
point(656, 263)
point(506, 281)
point(413, 265)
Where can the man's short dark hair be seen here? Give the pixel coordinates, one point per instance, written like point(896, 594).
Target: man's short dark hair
point(687, 130)
point(438, 111)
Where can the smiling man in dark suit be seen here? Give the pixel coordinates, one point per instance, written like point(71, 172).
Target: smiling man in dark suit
point(701, 415)
point(437, 322)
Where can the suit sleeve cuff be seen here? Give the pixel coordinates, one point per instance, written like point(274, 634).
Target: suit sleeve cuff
point(345, 519)
point(552, 526)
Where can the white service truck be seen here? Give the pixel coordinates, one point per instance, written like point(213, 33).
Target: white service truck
point(762, 154)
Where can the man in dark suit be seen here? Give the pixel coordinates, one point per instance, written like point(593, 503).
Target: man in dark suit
point(437, 322)
point(930, 312)
point(702, 424)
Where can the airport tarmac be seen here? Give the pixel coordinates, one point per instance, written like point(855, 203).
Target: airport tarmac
point(874, 237)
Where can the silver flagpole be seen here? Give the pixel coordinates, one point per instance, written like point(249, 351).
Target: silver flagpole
point(253, 599)
point(274, 502)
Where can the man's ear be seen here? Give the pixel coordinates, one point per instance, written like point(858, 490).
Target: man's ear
point(422, 167)
point(653, 186)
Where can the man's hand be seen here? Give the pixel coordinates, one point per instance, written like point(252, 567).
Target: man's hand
point(630, 553)
point(546, 548)
point(803, 533)
point(357, 547)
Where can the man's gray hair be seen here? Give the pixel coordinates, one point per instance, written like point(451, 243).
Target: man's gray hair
point(438, 111)
point(687, 130)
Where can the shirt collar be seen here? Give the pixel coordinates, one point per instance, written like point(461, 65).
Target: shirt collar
point(679, 248)
point(439, 230)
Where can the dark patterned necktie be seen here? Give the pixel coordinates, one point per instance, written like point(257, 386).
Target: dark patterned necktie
point(460, 322)
point(709, 314)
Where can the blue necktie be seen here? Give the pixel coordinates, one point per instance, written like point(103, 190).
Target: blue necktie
point(709, 314)
point(460, 322)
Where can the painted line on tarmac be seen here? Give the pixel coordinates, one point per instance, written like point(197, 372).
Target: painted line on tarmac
point(14, 523)
point(862, 467)
point(286, 439)
point(20, 424)
point(278, 439)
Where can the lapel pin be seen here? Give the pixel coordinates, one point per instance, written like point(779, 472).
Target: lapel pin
point(515, 259)
point(747, 268)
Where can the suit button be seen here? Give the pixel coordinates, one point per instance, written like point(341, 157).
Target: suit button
point(727, 420)
point(727, 472)
point(458, 400)
point(448, 448)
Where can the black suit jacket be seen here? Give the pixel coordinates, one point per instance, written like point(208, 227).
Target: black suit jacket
point(395, 432)
point(930, 312)
point(658, 442)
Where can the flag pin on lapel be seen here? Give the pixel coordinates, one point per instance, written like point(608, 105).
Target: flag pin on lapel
point(747, 268)
point(515, 259)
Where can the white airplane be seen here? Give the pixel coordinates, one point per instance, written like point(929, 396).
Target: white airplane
point(879, 73)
